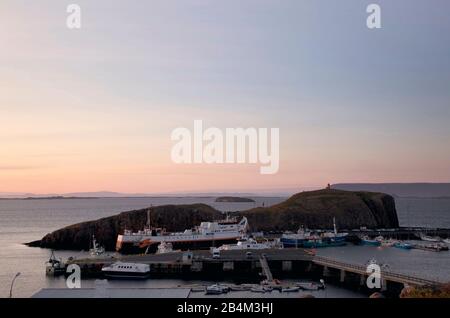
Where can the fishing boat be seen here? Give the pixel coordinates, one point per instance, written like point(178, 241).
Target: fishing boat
point(311, 285)
point(291, 289)
point(435, 247)
point(96, 249)
point(126, 270)
point(257, 289)
point(314, 239)
point(205, 235)
point(365, 240)
point(403, 245)
point(388, 242)
point(55, 266)
point(216, 289)
point(247, 244)
point(165, 247)
point(447, 240)
point(427, 238)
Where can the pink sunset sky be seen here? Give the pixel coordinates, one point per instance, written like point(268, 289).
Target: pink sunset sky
point(93, 109)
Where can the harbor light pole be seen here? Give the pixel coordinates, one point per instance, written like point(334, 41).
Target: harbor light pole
point(12, 284)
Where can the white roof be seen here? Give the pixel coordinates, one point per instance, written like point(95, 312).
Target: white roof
point(113, 293)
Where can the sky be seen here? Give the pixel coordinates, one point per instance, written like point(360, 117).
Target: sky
point(92, 109)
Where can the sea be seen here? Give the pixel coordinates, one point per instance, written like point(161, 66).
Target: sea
point(23, 221)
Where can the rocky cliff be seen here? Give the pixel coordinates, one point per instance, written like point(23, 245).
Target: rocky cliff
point(172, 217)
point(316, 209)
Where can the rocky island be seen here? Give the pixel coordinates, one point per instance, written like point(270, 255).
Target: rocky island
point(233, 199)
point(314, 209)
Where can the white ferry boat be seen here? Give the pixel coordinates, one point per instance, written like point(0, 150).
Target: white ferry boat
point(126, 270)
point(204, 236)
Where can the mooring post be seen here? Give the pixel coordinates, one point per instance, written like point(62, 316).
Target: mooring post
point(362, 280)
point(326, 272)
point(342, 278)
point(383, 285)
point(286, 266)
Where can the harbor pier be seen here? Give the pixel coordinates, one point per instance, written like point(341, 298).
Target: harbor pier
point(257, 265)
point(231, 263)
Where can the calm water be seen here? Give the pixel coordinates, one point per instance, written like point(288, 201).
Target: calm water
point(27, 220)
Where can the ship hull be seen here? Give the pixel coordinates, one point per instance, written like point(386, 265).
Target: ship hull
point(125, 275)
point(287, 243)
point(127, 247)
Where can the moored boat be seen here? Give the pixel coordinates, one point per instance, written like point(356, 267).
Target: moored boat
point(205, 235)
point(126, 270)
point(96, 249)
point(314, 239)
point(290, 289)
point(311, 285)
point(435, 247)
point(428, 238)
point(365, 240)
point(388, 242)
point(164, 248)
point(247, 244)
point(217, 289)
point(403, 245)
point(55, 266)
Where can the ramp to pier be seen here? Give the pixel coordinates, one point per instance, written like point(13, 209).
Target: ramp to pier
point(265, 267)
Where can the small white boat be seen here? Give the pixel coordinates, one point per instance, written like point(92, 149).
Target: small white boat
point(165, 247)
point(447, 240)
point(126, 270)
point(96, 249)
point(311, 285)
point(257, 289)
point(217, 289)
point(427, 238)
point(389, 242)
point(290, 289)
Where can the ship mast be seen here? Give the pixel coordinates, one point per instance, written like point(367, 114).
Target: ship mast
point(334, 225)
point(148, 219)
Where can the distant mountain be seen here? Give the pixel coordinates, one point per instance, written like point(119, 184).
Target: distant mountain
point(422, 190)
point(110, 194)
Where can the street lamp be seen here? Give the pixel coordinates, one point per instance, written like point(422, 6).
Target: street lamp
point(12, 284)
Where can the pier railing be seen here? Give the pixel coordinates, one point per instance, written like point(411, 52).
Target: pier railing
point(385, 274)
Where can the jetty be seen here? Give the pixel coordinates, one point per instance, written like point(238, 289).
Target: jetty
point(256, 265)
